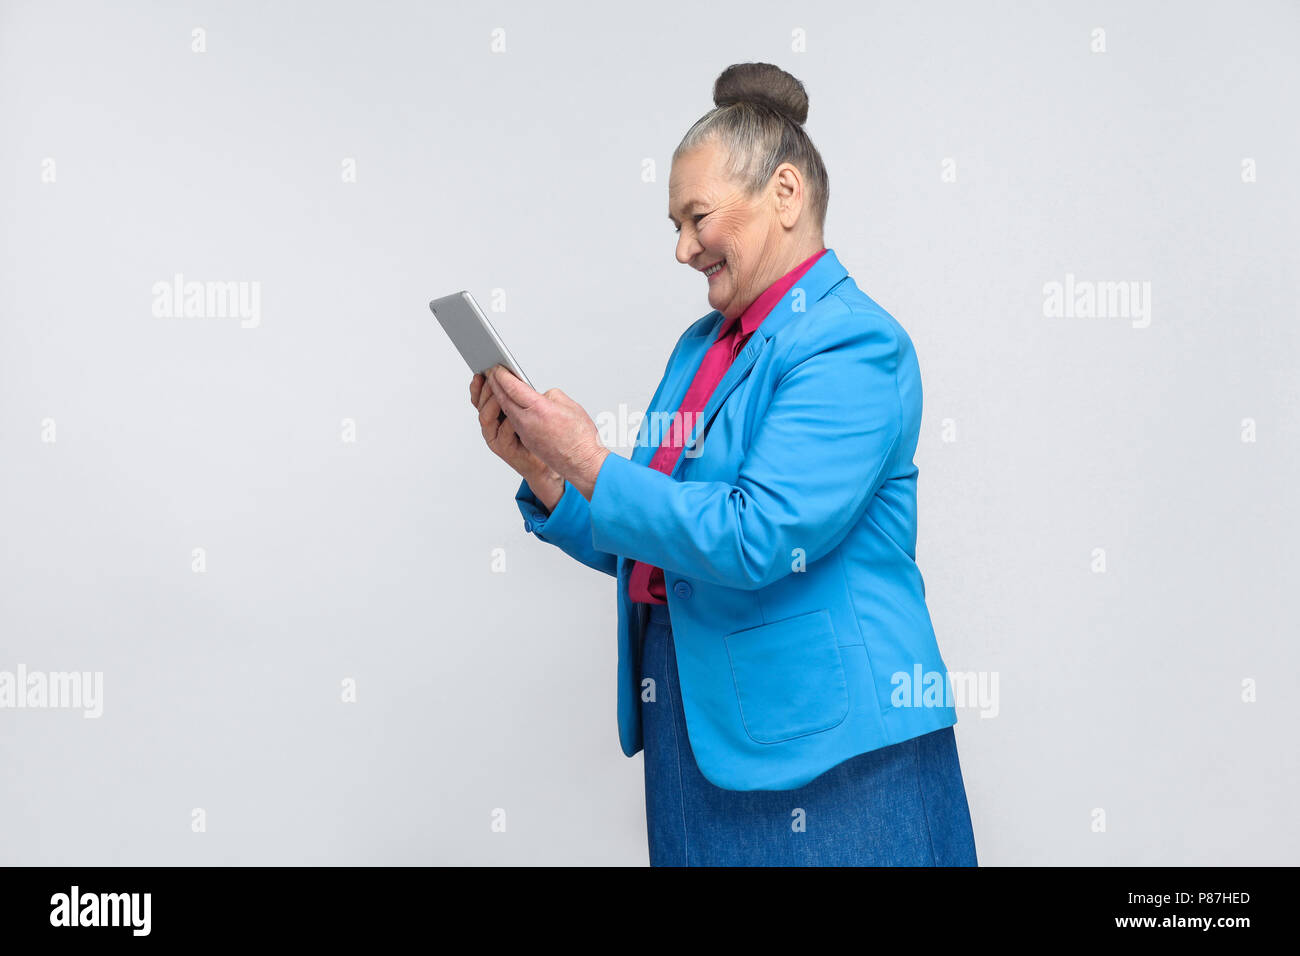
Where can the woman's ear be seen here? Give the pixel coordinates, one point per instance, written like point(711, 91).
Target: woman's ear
point(789, 194)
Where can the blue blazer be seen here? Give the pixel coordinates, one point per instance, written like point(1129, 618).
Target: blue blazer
point(787, 536)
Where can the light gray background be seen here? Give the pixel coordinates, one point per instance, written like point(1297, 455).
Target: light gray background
point(522, 171)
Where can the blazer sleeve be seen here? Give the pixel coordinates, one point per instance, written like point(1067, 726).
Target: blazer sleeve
point(821, 452)
point(568, 527)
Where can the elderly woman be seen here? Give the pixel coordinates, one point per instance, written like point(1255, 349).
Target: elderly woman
point(777, 661)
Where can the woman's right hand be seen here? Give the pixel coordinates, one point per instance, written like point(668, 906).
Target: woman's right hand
point(501, 438)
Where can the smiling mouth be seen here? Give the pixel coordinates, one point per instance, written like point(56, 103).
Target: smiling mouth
point(713, 269)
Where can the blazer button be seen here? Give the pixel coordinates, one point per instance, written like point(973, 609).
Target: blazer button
point(528, 525)
point(682, 589)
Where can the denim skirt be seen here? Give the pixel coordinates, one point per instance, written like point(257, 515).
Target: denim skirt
point(901, 805)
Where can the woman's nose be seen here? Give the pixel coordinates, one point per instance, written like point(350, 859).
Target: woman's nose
point(687, 247)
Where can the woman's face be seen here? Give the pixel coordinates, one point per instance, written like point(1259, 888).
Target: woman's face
point(718, 223)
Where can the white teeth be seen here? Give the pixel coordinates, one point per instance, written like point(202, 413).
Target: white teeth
point(712, 269)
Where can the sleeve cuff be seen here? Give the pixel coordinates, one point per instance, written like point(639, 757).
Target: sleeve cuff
point(536, 517)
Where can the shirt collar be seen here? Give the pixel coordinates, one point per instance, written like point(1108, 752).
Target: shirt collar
point(759, 309)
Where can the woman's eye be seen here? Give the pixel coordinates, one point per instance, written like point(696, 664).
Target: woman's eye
point(697, 217)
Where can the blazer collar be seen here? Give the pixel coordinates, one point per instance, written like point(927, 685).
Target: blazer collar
point(817, 282)
point(824, 275)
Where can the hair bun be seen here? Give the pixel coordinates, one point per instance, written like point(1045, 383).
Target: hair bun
point(762, 83)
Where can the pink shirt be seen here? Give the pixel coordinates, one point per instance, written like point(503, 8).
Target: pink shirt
point(646, 583)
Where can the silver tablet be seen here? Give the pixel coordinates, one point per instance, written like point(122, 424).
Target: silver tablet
point(473, 335)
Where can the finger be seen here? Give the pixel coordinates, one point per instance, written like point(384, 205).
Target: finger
point(506, 433)
point(507, 439)
point(476, 386)
point(489, 414)
point(515, 389)
point(489, 393)
point(485, 393)
point(507, 390)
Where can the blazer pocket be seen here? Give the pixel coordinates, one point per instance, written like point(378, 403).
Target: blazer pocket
point(789, 677)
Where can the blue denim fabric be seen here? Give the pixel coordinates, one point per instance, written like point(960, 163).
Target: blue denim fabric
point(901, 805)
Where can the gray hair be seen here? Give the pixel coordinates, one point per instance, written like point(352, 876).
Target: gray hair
point(758, 121)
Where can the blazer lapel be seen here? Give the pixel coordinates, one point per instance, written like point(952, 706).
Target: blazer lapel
point(816, 283)
point(672, 390)
point(669, 395)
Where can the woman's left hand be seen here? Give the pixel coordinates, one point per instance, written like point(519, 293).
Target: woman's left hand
point(553, 427)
